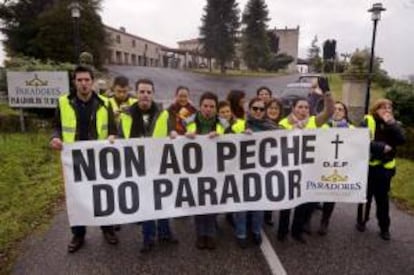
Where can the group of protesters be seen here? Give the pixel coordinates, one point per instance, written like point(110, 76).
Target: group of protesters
point(86, 115)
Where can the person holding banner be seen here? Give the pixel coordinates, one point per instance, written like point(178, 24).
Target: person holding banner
point(274, 109)
point(256, 122)
point(300, 118)
point(141, 121)
point(121, 100)
point(206, 122)
point(386, 134)
point(339, 119)
point(177, 114)
point(83, 115)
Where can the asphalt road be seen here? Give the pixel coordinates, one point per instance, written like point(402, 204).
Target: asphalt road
point(167, 80)
point(343, 251)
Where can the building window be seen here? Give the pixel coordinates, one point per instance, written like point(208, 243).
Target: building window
point(118, 39)
point(133, 43)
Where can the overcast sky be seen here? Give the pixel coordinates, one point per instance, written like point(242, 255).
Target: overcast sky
point(347, 21)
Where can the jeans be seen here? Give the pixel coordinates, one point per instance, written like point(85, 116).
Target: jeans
point(161, 226)
point(206, 225)
point(80, 231)
point(241, 223)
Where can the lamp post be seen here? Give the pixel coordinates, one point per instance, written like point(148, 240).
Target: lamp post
point(75, 9)
point(375, 16)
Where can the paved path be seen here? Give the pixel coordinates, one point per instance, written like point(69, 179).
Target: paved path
point(342, 251)
point(167, 80)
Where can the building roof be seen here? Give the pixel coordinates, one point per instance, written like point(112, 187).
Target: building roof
point(133, 36)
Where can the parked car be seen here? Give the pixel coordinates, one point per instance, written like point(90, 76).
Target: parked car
point(308, 78)
point(301, 90)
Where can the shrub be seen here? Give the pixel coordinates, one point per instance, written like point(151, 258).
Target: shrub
point(402, 95)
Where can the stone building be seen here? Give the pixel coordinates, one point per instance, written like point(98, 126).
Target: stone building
point(129, 49)
point(288, 44)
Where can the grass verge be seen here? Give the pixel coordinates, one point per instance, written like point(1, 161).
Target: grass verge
point(402, 186)
point(30, 186)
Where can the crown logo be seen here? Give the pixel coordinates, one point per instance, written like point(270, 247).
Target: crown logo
point(36, 81)
point(335, 177)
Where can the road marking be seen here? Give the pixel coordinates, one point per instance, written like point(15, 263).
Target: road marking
point(271, 257)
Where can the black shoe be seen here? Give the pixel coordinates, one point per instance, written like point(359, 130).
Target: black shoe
point(168, 240)
point(385, 235)
point(117, 227)
point(76, 243)
point(307, 228)
point(257, 239)
point(242, 242)
point(110, 237)
point(146, 247)
point(360, 227)
point(281, 237)
point(299, 238)
point(210, 243)
point(201, 242)
point(323, 229)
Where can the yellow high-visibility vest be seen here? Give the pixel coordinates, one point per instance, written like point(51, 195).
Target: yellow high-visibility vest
point(68, 119)
point(372, 125)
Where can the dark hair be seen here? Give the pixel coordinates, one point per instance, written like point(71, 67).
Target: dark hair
point(181, 88)
point(345, 109)
point(222, 104)
point(121, 81)
point(254, 100)
point(278, 103)
point(296, 100)
point(208, 95)
point(264, 88)
point(145, 81)
point(234, 98)
point(83, 69)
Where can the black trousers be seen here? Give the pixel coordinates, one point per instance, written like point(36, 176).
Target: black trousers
point(301, 216)
point(80, 231)
point(327, 209)
point(379, 182)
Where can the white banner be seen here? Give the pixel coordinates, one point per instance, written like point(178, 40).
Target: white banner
point(144, 179)
point(36, 89)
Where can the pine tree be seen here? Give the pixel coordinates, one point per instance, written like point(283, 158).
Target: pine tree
point(220, 23)
point(255, 40)
point(44, 29)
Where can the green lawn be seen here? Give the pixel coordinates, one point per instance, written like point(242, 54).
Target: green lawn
point(335, 83)
point(30, 185)
point(402, 188)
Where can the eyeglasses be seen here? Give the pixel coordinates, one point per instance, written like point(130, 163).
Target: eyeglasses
point(257, 109)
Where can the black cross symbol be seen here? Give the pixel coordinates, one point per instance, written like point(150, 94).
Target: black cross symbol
point(337, 142)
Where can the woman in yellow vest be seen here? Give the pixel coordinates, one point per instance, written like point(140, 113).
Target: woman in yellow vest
point(300, 118)
point(274, 113)
point(206, 122)
point(386, 134)
point(256, 121)
point(339, 119)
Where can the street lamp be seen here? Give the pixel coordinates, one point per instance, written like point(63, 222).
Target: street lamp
point(375, 16)
point(75, 9)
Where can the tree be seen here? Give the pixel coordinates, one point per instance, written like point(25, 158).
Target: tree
point(220, 23)
point(255, 40)
point(329, 55)
point(273, 42)
point(49, 34)
point(315, 61)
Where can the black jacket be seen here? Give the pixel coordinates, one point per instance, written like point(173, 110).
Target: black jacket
point(138, 128)
point(385, 134)
point(95, 103)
